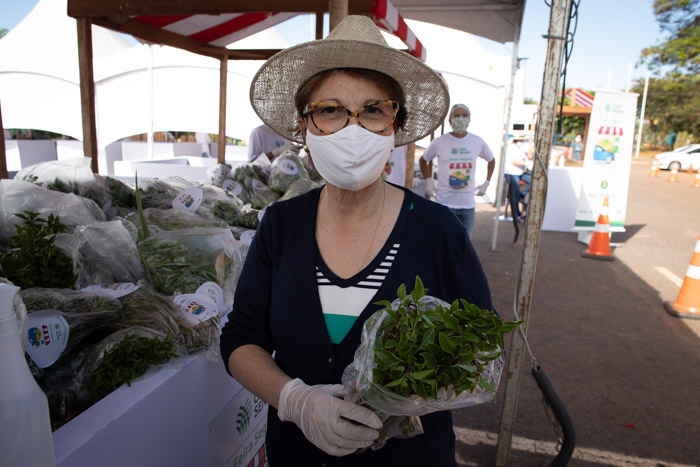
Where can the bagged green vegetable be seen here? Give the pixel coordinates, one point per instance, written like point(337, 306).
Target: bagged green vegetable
point(420, 354)
point(286, 169)
point(180, 261)
point(147, 308)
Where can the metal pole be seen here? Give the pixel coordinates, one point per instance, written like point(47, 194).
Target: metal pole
point(556, 39)
point(501, 166)
point(641, 116)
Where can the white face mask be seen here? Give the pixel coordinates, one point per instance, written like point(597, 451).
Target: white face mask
point(459, 124)
point(351, 158)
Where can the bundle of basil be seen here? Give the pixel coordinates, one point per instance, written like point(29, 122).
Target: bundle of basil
point(419, 355)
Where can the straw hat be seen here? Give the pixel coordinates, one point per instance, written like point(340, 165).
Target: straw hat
point(354, 43)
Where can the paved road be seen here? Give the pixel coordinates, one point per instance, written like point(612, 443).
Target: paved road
point(627, 371)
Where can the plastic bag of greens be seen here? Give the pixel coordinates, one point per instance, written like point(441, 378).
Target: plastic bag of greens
point(147, 308)
point(180, 261)
point(300, 187)
point(244, 216)
point(170, 219)
point(125, 356)
point(254, 179)
point(286, 169)
point(76, 176)
point(59, 320)
point(18, 196)
point(103, 252)
point(420, 354)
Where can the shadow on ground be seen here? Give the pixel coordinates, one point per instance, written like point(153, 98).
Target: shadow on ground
point(626, 370)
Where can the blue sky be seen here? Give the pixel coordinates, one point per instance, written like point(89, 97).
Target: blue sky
point(608, 40)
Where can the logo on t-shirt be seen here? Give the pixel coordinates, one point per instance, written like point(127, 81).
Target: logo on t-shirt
point(460, 174)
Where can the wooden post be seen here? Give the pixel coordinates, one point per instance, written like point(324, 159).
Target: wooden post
point(87, 91)
point(556, 38)
point(338, 9)
point(221, 137)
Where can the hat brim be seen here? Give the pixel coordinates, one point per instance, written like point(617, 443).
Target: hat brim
point(274, 86)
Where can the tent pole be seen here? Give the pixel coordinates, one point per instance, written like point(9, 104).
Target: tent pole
point(556, 39)
point(515, 64)
point(151, 101)
point(3, 150)
point(221, 137)
point(87, 91)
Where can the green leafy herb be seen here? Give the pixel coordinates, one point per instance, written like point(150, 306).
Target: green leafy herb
point(421, 350)
point(33, 259)
point(127, 360)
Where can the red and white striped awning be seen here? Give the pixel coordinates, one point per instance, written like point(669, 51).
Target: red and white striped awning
point(224, 29)
point(389, 19)
point(218, 30)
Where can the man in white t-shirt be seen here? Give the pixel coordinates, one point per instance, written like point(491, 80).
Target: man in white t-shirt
point(456, 153)
point(265, 141)
point(399, 168)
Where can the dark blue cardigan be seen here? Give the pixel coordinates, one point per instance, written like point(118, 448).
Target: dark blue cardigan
point(277, 307)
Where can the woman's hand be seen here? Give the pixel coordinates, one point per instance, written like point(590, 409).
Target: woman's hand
point(334, 425)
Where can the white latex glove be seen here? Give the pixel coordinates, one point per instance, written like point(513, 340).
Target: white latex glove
point(332, 424)
point(481, 189)
point(429, 188)
point(289, 146)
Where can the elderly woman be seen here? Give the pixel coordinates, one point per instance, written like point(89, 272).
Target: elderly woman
point(319, 262)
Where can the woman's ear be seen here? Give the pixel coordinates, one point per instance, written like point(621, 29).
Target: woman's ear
point(302, 126)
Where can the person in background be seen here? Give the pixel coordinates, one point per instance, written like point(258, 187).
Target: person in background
point(319, 262)
point(671, 140)
point(577, 147)
point(264, 140)
point(204, 139)
point(399, 168)
point(516, 163)
point(456, 153)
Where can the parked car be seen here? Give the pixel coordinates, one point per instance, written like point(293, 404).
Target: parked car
point(682, 158)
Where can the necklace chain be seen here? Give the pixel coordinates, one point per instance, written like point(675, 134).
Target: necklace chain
point(376, 226)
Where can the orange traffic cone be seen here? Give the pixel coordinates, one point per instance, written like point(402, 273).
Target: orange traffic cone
point(696, 180)
point(687, 304)
point(654, 170)
point(599, 246)
point(673, 176)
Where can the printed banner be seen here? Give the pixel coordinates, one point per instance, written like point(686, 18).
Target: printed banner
point(607, 160)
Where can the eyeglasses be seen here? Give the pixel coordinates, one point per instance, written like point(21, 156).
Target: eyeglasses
point(329, 117)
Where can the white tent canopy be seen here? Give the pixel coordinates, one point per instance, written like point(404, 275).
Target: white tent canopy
point(139, 88)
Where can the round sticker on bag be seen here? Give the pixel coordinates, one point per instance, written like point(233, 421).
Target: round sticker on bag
point(188, 199)
point(47, 336)
point(258, 185)
point(213, 291)
point(232, 187)
point(196, 308)
point(288, 167)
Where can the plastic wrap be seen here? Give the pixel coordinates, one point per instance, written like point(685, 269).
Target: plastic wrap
point(103, 252)
point(17, 197)
point(359, 376)
point(179, 261)
point(287, 168)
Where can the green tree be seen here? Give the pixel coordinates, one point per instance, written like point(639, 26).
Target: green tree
point(3, 32)
point(679, 21)
point(673, 98)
